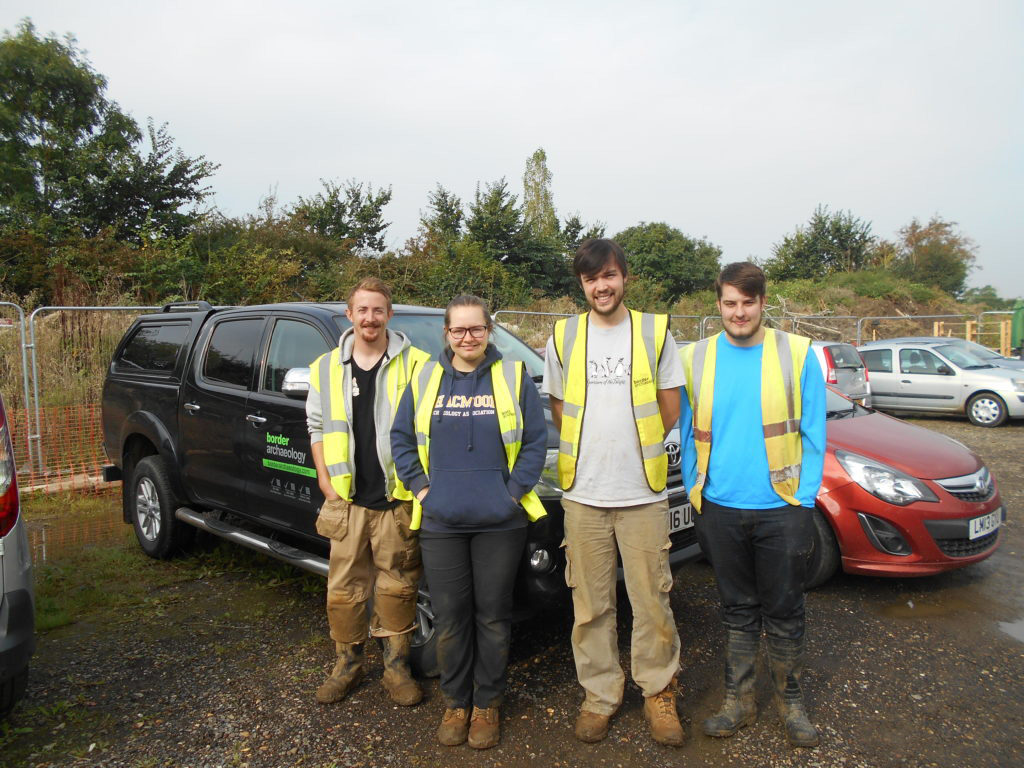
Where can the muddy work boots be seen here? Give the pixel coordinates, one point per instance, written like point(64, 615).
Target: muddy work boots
point(660, 713)
point(785, 662)
point(739, 708)
point(348, 672)
point(397, 679)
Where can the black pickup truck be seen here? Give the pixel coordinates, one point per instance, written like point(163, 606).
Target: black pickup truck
point(202, 426)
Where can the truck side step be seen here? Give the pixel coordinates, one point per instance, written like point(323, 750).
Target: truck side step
point(208, 522)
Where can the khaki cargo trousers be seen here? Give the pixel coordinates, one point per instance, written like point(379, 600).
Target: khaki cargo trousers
point(363, 541)
point(639, 534)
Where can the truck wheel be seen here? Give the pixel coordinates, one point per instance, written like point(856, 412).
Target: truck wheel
point(986, 410)
point(823, 560)
point(423, 656)
point(151, 504)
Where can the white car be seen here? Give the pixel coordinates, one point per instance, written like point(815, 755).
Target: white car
point(843, 368)
point(17, 599)
point(942, 378)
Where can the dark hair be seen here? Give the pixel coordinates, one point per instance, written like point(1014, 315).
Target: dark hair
point(373, 284)
point(594, 253)
point(467, 300)
point(745, 276)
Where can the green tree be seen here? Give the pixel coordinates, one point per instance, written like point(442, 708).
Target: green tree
point(444, 217)
point(987, 296)
point(69, 157)
point(936, 254)
point(538, 206)
point(679, 263)
point(495, 221)
point(345, 212)
point(830, 242)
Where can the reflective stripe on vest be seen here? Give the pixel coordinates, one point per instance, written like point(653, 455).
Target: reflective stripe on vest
point(647, 337)
point(782, 361)
point(335, 406)
point(506, 378)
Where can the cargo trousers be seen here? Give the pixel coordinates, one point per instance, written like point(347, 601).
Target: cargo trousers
point(639, 534)
point(375, 549)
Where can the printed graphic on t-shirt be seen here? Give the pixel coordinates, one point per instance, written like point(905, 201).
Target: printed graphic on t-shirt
point(608, 370)
point(465, 405)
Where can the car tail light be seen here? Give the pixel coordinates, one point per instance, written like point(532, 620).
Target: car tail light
point(8, 481)
point(830, 367)
point(864, 363)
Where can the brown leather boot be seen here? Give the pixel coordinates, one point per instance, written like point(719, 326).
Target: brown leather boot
point(454, 727)
point(660, 713)
point(347, 674)
point(397, 679)
point(591, 727)
point(484, 728)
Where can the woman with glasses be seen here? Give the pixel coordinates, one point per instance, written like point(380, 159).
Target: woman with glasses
point(469, 440)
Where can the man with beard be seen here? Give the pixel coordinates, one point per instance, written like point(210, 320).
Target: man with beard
point(613, 378)
point(353, 394)
point(753, 447)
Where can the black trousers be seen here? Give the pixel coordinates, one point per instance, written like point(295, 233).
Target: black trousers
point(760, 561)
point(471, 578)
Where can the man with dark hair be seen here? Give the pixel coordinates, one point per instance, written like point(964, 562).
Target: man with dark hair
point(353, 393)
point(753, 443)
point(613, 379)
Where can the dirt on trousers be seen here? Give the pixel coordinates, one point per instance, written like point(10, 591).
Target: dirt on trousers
point(220, 670)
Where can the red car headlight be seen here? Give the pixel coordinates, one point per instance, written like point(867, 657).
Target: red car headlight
point(883, 481)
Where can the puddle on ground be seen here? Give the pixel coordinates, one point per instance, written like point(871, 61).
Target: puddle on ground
point(912, 609)
point(1014, 629)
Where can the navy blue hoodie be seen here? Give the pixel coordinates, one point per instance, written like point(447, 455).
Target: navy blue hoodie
point(471, 489)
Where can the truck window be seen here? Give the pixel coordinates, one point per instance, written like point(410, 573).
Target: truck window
point(294, 344)
point(153, 347)
point(230, 353)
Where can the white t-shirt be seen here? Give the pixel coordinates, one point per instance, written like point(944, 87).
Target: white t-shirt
point(610, 470)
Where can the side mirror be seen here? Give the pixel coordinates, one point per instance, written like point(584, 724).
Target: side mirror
point(296, 383)
point(943, 370)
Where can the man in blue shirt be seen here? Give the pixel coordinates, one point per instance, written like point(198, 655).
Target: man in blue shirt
point(754, 419)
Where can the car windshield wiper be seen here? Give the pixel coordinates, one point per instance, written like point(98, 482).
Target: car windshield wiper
point(837, 414)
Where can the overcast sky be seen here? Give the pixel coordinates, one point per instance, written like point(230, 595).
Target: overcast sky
point(728, 120)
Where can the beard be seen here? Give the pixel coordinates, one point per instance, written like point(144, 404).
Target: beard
point(611, 309)
point(747, 332)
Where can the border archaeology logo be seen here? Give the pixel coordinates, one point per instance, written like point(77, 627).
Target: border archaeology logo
point(277, 445)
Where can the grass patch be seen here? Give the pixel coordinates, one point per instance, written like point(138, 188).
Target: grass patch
point(37, 506)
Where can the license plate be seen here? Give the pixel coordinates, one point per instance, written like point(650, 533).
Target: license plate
point(682, 517)
point(980, 526)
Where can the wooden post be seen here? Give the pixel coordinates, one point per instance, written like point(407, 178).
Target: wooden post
point(1004, 337)
point(936, 328)
point(971, 330)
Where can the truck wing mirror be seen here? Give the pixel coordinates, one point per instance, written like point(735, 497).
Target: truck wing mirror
point(296, 383)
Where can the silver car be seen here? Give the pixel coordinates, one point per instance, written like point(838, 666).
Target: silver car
point(17, 601)
point(942, 378)
point(976, 349)
point(844, 369)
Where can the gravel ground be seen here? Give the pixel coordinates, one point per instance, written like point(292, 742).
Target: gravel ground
point(220, 671)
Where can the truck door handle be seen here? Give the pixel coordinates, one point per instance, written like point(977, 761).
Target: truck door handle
point(905, 381)
point(191, 407)
point(256, 419)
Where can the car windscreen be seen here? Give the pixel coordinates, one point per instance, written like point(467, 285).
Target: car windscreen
point(837, 406)
point(982, 353)
point(961, 358)
point(426, 331)
point(845, 356)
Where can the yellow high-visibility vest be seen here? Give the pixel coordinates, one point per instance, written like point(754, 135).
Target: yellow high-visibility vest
point(506, 379)
point(648, 337)
point(337, 430)
point(782, 362)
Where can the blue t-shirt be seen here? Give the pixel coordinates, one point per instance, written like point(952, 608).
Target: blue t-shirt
point(738, 468)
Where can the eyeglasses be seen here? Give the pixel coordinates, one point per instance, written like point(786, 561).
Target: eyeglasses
point(476, 331)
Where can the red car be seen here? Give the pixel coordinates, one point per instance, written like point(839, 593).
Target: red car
point(899, 500)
